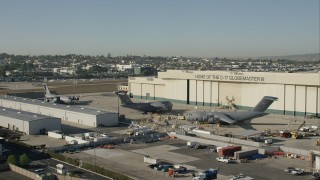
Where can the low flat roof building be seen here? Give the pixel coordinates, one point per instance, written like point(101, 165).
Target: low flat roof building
point(26, 122)
point(74, 114)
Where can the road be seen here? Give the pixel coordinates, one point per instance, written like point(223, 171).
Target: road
point(41, 161)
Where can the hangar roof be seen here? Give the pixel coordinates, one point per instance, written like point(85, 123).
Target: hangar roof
point(22, 115)
point(55, 106)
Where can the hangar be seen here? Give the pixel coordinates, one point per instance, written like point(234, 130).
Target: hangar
point(74, 114)
point(298, 93)
point(26, 122)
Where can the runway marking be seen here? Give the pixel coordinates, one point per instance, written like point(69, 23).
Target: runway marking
point(163, 152)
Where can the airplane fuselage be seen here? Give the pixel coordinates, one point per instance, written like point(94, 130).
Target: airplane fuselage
point(61, 99)
point(212, 117)
point(151, 106)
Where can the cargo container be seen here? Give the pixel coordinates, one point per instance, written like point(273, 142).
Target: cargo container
point(229, 150)
point(151, 160)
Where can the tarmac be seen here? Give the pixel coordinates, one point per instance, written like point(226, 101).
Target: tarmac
point(128, 158)
point(274, 122)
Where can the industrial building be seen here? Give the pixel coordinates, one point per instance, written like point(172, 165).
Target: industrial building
point(26, 122)
point(74, 114)
point(298, 93)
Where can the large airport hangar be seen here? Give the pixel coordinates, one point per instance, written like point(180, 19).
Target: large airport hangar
point(298, 93)
point(26, 122)
point(74, 114)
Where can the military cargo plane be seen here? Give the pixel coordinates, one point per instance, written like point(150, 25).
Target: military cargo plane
point(158, 106)
point(232, 117)
point(58, 98)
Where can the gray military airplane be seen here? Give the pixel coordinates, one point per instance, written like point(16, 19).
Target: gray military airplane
point(159, 106)
point(232, 117)
point(58, 98)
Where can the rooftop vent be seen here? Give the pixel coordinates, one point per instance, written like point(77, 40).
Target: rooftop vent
point(19, 112)
point(82, 108)
point(4, 109)
point(68, 106)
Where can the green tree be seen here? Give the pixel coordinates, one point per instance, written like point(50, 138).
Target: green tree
point(146, 72)
point(2, 71)
point(24, 159)
point(12, 159)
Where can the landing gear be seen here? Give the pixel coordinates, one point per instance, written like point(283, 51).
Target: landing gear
point(218, 124)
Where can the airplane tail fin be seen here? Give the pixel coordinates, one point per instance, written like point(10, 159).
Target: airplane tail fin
point(123, 97)
point(264, 104)
point(46, 89)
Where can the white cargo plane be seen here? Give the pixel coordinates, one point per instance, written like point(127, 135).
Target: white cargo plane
point(58, 98)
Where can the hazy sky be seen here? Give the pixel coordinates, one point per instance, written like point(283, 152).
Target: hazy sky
point(222, 28)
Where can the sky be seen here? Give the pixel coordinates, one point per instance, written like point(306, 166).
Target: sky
point(205, 28)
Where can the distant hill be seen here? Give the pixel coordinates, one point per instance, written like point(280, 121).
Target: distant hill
point(298, 57)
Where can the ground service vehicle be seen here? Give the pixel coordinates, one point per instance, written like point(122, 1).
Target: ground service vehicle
point(297, 171)
point(179, 168)
point(207, 174)
point(223, 159)
point(191, 144)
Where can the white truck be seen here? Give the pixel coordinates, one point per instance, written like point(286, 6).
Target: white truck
point(223, 159)
point(191, 144)
point(89, 135)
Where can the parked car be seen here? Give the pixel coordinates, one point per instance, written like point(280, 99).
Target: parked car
point(297, 171)
point(104, 135)
point(207, 174)
point(316, 176)
point(223, 159)
point(153, 166)
point(289, 169)
point(165, 168)
point(39, 171)
point(179, 168)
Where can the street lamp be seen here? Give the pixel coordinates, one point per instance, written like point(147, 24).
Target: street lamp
point(118, 85)
point(95, 158)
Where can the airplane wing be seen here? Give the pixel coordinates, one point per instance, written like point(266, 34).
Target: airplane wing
point(52, 96)
point(222, 117)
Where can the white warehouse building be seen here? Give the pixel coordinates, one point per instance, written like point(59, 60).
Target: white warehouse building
point(74, 114)
point(298, 93)
point(26, 122)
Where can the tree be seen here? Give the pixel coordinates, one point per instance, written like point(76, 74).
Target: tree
point(146, 72)
point(12, 159)
point(24, 159)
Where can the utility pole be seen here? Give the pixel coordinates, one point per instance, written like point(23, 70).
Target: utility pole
point(118, 85)
point(95, 159)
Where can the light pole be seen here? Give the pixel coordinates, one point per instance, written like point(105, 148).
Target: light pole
point(95, 158)
point(118, 85)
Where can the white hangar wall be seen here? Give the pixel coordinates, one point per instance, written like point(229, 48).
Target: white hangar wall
point(49, 123)
point(298, 93)
point(26, 122)
point(72, 114)
point(152, 88)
